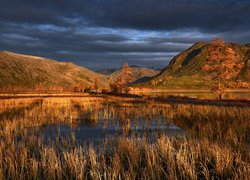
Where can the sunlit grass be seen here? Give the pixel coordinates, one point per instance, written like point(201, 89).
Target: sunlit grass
point(216, 143)
point(127, 159)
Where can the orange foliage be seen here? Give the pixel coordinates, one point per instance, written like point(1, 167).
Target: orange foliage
point(80, 87)
point(121, 84)
point(223, 64)
point(96, 84)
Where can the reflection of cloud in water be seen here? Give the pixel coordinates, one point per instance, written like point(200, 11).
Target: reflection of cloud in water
point(86, 133)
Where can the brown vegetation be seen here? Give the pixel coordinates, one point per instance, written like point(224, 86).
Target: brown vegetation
point(223, 66)
point(121, 83)
point(129, 159)
point(216, 143)
point(22, 73)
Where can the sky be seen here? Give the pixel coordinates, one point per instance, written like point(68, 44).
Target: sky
point(101, 34)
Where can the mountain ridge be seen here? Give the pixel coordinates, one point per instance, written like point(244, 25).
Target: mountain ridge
point(185, 69)
point(26, 70)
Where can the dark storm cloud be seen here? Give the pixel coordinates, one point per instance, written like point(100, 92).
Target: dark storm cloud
point(116, 60)
point(110, 32)
point(81, 42)
point(208, 15)
point(185, 40)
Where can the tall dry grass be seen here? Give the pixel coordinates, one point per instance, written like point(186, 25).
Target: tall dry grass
point(216, 145)
point(126, 159)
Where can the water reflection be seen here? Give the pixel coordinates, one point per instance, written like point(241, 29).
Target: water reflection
point(88, 133)
point(91, 121)
point(200, 95)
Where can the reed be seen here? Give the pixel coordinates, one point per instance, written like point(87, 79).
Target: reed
point(128, 159)
point(216, 145)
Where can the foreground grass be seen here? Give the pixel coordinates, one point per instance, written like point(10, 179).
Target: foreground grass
point(216, 145)
point(126, 159)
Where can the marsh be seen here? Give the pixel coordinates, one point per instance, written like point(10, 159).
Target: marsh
point(123, 137)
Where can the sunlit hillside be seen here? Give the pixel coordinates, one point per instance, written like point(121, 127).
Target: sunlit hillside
point(186, 69)
point(22, 70)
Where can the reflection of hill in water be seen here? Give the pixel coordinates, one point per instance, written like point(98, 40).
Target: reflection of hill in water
point(200, 95)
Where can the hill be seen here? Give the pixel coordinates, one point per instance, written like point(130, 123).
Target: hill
point(186, 69)
point(24, 70)
point(106, 71)
point(139, 74)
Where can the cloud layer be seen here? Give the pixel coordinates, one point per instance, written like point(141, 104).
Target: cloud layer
point(107, 33)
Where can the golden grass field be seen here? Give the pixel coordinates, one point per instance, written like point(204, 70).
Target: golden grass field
point(216, 145)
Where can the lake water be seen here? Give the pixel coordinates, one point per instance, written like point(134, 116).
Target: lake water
point(202, 95)
point(90, 121)
point(85, 133)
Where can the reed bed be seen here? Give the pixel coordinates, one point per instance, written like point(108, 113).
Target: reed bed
point(216, 146)
point(8, 104)
point(125, 159)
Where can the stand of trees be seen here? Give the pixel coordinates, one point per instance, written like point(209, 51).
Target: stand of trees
point(223, 66)
point(86, 87)
point(121, 84)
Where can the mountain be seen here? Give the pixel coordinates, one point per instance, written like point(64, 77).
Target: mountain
point(139, 74)
point(25, 70)
point(106, 71)
point(186, 69)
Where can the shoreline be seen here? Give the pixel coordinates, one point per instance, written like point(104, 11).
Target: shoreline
point(132, 92)
point(34, 95)
point(186, 90)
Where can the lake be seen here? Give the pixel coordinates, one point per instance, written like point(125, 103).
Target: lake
point(90, 120)
point(202, 95)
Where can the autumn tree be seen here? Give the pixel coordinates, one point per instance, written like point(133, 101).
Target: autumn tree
point(154, 83)
point(80, 87)
point(121, 84)
point(96, 84)
point(223, 65)
point(113, 87)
